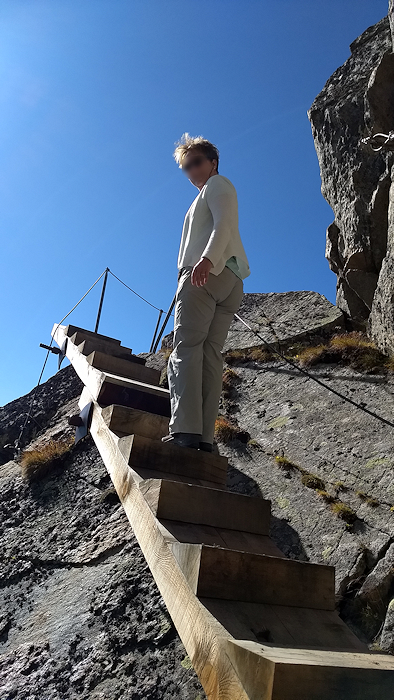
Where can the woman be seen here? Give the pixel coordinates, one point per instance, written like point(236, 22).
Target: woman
point(212, 264)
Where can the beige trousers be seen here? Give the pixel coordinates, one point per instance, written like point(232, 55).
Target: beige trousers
point(195, 366)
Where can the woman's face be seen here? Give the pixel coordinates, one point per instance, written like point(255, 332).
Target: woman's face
point(198, 168)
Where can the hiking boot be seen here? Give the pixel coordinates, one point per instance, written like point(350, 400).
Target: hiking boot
point(183, 440)
point(206, 446)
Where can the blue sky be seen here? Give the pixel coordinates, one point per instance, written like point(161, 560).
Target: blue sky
point(93, 95)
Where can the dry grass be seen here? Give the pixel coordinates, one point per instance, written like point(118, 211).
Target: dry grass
point(285, 463)
point(254, 354)
point(370, 500)
point(311, 356)
point(38, 462)
point(327, 497)
point(230, 379)
point(354, 349)
point(312, 481)
point(344, 512)
point(230, 376)
point(225, 431)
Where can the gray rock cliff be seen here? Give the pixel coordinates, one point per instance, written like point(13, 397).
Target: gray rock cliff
point(358, 101)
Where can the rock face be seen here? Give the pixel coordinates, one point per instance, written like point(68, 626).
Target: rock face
point(357, 101)
point(283, 317)
point(80, 614)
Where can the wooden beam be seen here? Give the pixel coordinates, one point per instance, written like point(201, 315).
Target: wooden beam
point(284, 625)
point(70, 330)
point(88, 346)
point(220, 537)
point(213, 572)
point(123, 368)
point(134, 394)
point(207, 506)
point(310, 674)
point(123, 420)
point(144, 453)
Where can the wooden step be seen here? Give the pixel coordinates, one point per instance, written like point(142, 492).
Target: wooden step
point(88, 346)
point(134, 394)
point(284, 625)
point(126, 421)
point(70, 330)
point(213, 572)
point(176, 531)
point(172, 500)
point(142, 453)
point(275, 673)
point(123, 368)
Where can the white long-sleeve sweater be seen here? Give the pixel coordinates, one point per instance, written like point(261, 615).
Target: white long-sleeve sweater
point(210, 229)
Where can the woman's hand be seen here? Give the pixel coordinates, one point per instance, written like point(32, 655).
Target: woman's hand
point(200, 272)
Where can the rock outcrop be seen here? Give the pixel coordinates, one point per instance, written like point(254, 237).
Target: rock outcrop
point(356, 102)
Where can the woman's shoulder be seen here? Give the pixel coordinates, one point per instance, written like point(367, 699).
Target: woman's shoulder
point(220, 183)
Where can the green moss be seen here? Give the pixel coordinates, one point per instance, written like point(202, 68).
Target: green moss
point(282, 502)
point(186, 663)
point(377, 462)
point(278, 422)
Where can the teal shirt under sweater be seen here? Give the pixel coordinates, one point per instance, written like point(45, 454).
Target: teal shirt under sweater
point(233, 265)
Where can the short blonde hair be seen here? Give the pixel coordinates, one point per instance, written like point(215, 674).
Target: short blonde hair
point(189, 143)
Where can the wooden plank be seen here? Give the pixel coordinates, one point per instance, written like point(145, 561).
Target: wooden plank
point(309, 674)
point(148, 474)
point(227, 539)
point(88, 346)
point(144, 453)
point(123, 368)
point(255, 578)
point(70, 330)
point(283, 625)
point(208, 506)
point(123, 420)
point(134, 394)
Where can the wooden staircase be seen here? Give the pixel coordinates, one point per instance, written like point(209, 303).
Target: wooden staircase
point(255, 624)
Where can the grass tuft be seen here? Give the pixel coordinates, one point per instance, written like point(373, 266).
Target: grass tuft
point(344, 512)
point(285, 463)
point(312, 481)
point(253, 354)
point(354, 349)
point(38, 462)
point(340, 486)
point(370, 500)
point(311, 356)
point(225, 431)
point(327, 497)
